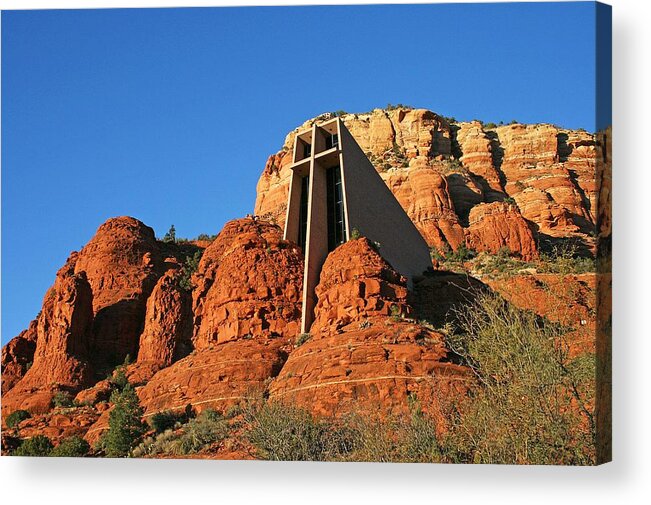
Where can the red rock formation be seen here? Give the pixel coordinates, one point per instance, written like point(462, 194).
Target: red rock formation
point(122, 263)
point(248, 284)
point(60, 358)
point(424, 195)
point(59, 424)
point(357, 283)
point(168, 323)
point(18, 355)
point(493, 226)
point(477, 156)
point(216, 377)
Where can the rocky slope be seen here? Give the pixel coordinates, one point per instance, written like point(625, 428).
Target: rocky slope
point(441, 171)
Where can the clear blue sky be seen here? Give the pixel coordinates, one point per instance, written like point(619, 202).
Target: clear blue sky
point(168, 115)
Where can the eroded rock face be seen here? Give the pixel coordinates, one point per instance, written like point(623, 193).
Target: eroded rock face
point(425, 196)
point(376, 368)
point(248, 284)
point(215, 377)
point(122, 263)
point(62, 351)
point(167, 333)
point(493, 226)
point(440, 171)
point(18, 356)
point(357, 283)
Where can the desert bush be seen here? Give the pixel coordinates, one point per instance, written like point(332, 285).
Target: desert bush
point(197, 434)
point(62, 399)
point(301, 339)
point(162, 421)
point(14, 419)
point(39, 445)
point(284, 433)
point(189, 267)
point(125, 424)
point(564, 259)
point(170, 236)
point(531, 405)
point(206, 429)
point(72, 447)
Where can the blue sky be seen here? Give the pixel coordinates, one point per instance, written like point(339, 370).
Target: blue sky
point(168, 115)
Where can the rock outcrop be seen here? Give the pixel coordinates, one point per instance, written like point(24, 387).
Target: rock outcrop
point(62, 350)
point(167, 333)
point(248, 284)
point(493, 226)
point(18, 356)
point(122, 263)
point(357, 283)
point(247, 307)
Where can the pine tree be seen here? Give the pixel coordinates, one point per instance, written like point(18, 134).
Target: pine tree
point(170, 236)
point(125, 424)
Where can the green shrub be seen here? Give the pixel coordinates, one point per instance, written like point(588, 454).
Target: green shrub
point(118, 379)
point(284, 433)
point(62, 399)
point(206, 429)
point(72, 447)
point(196, 435)
point(125, 424)
point(509, 200)
point(162, 421)
point(189, 267)
point(355, 234)
point(14, 419)
point(301, 339)
point(38, 445)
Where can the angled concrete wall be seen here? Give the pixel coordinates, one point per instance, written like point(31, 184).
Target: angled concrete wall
point(376, 213)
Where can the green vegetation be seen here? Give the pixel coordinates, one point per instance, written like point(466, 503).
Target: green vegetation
point(454, 166)
point(509, 200)
point(125, 425)
point(14, 419)
point(461, 254)
point(564, 259)
point(396, 313)
point(208, 428)
point(490, 126)
point(72, 447)
point(162, 421)
point(62, 399)
point(39, 445)
point(391, 106)
point(531, 405)
point(301, 339)
point(170, 236)
point(189, 267)
point(205, 236)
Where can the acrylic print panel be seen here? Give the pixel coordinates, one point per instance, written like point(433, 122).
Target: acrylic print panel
point(387, 245)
